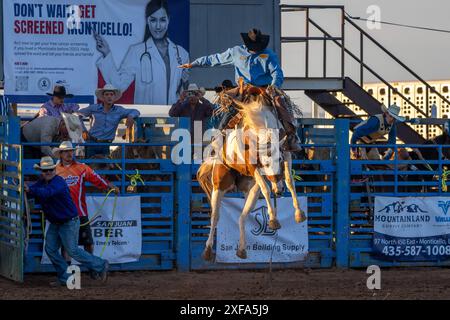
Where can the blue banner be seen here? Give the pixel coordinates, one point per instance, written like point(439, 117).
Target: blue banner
point(411, 228)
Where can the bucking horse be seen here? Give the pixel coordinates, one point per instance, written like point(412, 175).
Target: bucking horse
point(235, 165)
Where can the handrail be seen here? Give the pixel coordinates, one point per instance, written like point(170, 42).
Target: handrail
point(363, 66)
point(370, 70)
point(311, 6)
point(396, 59)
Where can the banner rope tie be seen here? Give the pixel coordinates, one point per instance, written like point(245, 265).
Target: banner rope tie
point(295, 176)
point(444, 180)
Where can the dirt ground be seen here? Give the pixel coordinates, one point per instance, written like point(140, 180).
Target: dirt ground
point(412, 283)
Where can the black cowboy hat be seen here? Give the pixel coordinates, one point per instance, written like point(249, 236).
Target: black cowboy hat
point(254, 40)
point(60, 91)
point(226, 84)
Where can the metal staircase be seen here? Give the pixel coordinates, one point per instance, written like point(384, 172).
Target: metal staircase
point(321, 89)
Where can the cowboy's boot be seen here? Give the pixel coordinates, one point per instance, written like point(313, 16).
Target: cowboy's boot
point(287, 120)
point(292, 140)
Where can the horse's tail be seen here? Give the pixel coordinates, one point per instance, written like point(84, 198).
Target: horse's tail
point(204, 175)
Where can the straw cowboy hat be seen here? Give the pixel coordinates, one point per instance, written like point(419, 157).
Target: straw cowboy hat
point(254, 40)
point(46, 163)
point(60, 91)
point(64, 146)
point(394, 111)
point(108, 87)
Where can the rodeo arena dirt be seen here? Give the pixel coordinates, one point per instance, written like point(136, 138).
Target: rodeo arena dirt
point(140, 161)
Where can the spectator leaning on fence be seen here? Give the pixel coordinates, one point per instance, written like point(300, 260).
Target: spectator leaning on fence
point(56, 105)
point(192, 104)
point(106, 117)
point(52, 192)
point(374, 128)
point(76, 175)
point(44, 130)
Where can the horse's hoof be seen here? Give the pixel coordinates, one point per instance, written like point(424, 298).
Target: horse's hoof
point(274, 225)
point(207, 254)
point(241, 253)
point(300, 216)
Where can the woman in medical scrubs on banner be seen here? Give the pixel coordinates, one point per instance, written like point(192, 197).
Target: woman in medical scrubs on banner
point(152, 64)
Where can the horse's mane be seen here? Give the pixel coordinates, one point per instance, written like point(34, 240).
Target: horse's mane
point(250, 103)
point(252, 112)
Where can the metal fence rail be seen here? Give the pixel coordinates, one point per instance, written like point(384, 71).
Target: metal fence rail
point(175, 220)
point(158, 195)
point(11, 212)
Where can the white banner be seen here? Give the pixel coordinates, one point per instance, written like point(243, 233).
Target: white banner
point(412, 228)
point(83, 44)
point(125, 231)
point(288, 244)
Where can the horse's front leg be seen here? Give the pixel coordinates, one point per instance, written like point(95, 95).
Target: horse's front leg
point(299, 213)
point(274, 224)
point(250, 202)
point(216, 198)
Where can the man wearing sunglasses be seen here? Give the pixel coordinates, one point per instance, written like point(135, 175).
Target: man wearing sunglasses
point(76, 175)
point(52, 192)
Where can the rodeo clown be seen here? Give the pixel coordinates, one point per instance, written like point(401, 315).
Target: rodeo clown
point(76, 174)
point(52, 192)
point(374, 128)
point(258, 66)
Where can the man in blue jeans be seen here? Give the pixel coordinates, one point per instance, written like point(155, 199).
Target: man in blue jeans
point(52, 192)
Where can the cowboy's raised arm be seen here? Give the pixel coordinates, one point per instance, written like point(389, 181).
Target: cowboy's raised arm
point(217, 59)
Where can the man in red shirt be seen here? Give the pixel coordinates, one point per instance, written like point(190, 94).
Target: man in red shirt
point(76, 174)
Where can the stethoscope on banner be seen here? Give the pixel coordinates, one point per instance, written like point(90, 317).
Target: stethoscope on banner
point(146, 64)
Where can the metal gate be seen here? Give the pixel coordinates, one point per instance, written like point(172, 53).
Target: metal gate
point(318, 184)
point(158, 193)
point(11, 206)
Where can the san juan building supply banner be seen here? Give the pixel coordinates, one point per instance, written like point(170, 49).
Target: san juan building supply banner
point(122, 233)
point(288, 244)
point(412, 228)
point(134, 45)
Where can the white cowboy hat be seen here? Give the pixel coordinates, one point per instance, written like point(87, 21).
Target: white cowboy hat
point(193, 87)
point(46, 163)
point(394, 111)
point(64, 146)
point(108, 87)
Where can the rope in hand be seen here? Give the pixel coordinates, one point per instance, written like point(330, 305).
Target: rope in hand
point(444, 180)
point(295, 176)
point(134, 178)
